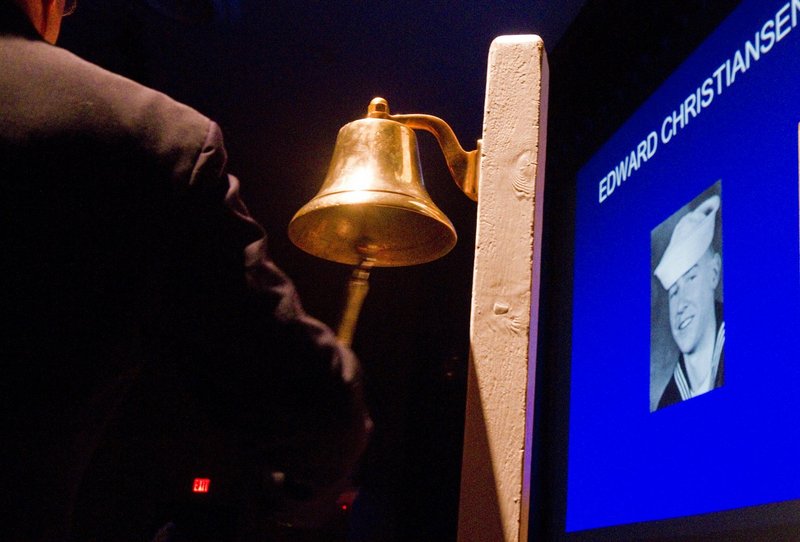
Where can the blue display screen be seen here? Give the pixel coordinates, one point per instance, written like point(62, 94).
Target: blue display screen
point(685, 370)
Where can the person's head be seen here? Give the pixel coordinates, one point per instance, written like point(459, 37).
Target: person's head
point(690, 271)
point(691, 303)
point(46, 15)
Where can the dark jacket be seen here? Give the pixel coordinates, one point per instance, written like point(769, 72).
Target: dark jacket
point(147, 337)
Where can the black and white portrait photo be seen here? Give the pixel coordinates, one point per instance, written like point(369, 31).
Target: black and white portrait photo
point(687, 328)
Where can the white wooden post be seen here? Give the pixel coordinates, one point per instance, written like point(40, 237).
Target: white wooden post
point(495, 491)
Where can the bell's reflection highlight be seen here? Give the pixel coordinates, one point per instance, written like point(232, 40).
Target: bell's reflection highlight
point(373, 209)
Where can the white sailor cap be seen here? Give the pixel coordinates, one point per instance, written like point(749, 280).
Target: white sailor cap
point(690, 239)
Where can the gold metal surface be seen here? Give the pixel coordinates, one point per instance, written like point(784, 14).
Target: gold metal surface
point(463, 164)
point(373, 202)
point(373, 209)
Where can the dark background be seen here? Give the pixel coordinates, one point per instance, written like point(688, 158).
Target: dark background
point(282, 77)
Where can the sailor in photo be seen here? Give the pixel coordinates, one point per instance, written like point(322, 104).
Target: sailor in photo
point(689, 271)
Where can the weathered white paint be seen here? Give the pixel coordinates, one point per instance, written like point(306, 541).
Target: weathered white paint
point(495, 492)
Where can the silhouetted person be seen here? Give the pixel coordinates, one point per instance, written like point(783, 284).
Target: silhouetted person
point(147, 337)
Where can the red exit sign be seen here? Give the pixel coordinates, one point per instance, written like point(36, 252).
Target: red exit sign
point(201, 485)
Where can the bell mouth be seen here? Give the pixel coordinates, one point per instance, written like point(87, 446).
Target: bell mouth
point(392, 229)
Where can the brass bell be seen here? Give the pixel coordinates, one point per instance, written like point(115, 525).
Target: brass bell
point(373, 209)
point(373, 203)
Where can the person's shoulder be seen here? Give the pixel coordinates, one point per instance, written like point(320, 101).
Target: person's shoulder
point(75, 91)
point(52, 93)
